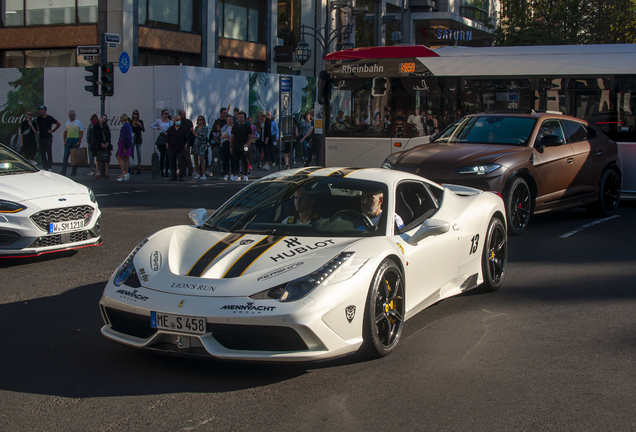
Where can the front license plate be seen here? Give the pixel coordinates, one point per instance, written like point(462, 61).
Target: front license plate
point(58, 227)
point(178, 323)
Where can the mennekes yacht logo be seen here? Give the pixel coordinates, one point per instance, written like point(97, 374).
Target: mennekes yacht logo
point(374, 68)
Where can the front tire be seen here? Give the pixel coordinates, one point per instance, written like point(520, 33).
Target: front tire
point(609, 194)
point(518, 206)
point(384, 310)
point(495, 255)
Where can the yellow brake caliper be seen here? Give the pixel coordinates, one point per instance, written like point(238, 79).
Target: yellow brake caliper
point(391, 305)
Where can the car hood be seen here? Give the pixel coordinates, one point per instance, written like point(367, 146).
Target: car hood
point(448, 156)
point(41, 184)
point(190, 261)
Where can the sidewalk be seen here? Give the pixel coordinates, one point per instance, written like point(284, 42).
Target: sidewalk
point(146, 176)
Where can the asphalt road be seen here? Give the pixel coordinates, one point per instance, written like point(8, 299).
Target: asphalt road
point(554, 349)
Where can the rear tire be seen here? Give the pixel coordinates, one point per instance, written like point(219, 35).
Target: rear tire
point(384, 311)
point(609, 194)
point(495, 255)
point(518, 206)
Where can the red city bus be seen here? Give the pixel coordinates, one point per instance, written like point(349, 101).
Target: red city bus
point(371, 95)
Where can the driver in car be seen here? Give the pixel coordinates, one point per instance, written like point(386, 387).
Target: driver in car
point(304, 204)
point(371, 203)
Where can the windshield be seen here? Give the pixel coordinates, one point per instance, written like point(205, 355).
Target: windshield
point(12, 163)
point(305, 206)
point(485, 129)
point(377, 107)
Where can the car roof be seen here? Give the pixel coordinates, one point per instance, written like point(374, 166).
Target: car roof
point(389, 177)
point(535, 115)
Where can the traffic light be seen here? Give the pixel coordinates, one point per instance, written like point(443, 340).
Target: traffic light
point(108, 80)
point(92, 78)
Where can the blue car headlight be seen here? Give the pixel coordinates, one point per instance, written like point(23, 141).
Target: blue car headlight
point(127, 268)
point(299, 288)
point(478, 169)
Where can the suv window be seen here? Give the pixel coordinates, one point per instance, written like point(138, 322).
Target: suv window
point(574, 131)
point(413, 203)
point(550, 127)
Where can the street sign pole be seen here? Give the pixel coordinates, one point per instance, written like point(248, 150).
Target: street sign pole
point(103, 61)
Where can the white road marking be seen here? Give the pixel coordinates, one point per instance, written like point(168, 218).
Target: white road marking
point(118, 193)
point(98, 195)
point(596, 222)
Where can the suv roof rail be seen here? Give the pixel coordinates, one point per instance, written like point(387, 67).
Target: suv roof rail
point(510, 111)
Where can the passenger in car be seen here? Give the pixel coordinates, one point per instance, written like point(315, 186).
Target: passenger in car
point(304, 205)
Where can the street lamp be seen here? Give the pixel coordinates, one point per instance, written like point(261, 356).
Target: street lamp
point(324, 36)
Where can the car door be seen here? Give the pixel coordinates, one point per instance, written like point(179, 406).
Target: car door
point(554, 166)
point(433, 261)
point(588, 159)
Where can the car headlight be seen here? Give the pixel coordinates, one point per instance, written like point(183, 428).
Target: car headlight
point(389, 162)
point(478, 169)
point(10, 207)
point(91, 195)
point(300, 287)
point(127, 268)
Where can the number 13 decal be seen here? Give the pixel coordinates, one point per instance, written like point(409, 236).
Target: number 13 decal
point(474, 244)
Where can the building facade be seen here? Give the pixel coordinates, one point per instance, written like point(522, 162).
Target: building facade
point(230, 34)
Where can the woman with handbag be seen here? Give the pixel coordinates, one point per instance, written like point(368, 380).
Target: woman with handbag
point(90, 144)
point(102, 146)
point(162, 125)
point(124, 147)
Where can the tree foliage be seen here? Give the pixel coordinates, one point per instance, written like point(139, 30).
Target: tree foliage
point(570, 22)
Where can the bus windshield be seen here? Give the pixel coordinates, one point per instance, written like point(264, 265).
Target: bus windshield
point(488, 129)
point(377, 107)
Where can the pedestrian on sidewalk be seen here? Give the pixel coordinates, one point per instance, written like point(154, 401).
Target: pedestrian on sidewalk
point(162, 125)
point(187, 123)
point(89, 143)
point(177, 139)
point(28, 144)
point(124, 147)
point(239, 146)
point(266, 136)
point(137, 128)
point(201, 144)
point(306, 129)
point(102, 146)
point(73, 133)
point(45, 124)
point(226, 136)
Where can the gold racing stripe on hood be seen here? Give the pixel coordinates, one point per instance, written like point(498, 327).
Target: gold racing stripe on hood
point(207, 258)
point(250, 256)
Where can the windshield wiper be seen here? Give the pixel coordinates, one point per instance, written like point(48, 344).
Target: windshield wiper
point(215, 228)
point(270, 231)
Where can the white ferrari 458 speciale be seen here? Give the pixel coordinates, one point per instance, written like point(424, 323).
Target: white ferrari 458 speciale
point(42, 212)
point(307, 264)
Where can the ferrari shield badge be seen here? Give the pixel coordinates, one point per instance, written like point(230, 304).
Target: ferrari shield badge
point(350, 313)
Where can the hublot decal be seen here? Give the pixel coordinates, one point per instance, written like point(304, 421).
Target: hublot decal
point(194, 287)
point(300, 250)
point(131, 295)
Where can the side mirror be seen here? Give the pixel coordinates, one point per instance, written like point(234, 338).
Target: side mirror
point(198, 216)
point(433, 137)
point(430, 227)
point(551, 141)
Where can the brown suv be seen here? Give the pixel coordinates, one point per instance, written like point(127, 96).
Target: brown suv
point(538, 162)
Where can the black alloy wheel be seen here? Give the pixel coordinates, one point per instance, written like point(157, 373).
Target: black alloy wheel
point(609, 195)
point(495, 255)
point(384, 311)
point(518, 206)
